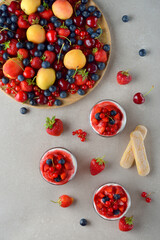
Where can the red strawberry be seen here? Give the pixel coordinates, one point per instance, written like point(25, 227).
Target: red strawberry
point(34, 18)
point(46, 14)
point(54, 126)
point(26, 86)
point(63, 32)
point(23, 21)
point(81, 77)
point(36, 62)
point(126, 224)
point(123, 77)
point(100, 55)
point(64, 201)
point(11, 48)
point(97, 165)
point(49, 56)
point(22, 53)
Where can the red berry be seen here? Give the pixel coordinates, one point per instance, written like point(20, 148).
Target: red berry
point(29, 72)
point(89, 42)
point(51, 36)
point(13, 6)
point(138, 98)
point(79, 20)
point(123, 77)
point(21, 96)
point(20, 34)
point(148, 200)
point(91, 68)
point(92, 21)
point(143, 194)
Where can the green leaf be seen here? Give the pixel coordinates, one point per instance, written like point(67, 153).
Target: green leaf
point(129, 220)
point(7, 45)
point(100, 161)
point(50, 122)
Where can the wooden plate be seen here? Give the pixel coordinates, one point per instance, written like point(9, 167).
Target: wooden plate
point(105, 38)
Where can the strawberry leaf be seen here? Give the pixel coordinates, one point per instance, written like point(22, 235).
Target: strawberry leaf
point(50, 122)
point(100, 161)
point(19, 56)
point(30, 81)
point(83, 73)
point(129, 220)
point(6, 45)
point(94, 50)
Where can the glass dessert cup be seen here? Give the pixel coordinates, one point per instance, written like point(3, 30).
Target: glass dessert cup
point(56, 173)
point(102, 212)
point(113, 119)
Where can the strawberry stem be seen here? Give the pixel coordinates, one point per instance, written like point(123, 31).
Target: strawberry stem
point(149, 91)
point(54, 201)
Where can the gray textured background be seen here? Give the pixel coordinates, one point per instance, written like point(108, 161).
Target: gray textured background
point(25, 208)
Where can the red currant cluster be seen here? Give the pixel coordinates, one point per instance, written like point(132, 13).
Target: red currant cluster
point(81, 134)
point(146, 196)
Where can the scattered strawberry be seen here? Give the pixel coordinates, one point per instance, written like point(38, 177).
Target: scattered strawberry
point(81, 134)
point(23, 22)
point(11, 48)
point(123, 77)
point(34, 18)
point(100, 55)
point(54, 126)
point(97, 165)
point(64, 201)
point(126, 224)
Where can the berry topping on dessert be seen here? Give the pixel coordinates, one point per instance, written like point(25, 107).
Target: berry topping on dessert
point(64, 201)
point(54, 126)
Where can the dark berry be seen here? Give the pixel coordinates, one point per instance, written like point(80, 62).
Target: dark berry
point(8, 21)
point(53, 19)
point(84, 1)
point(81, 92)
point(20, 45)
point(116, 196)
point(90, 58)
point(80, 42)
point(49, 162)
point(73, 40)
point(43, 22)
point(82, 7)
point(4, 7)
point(10, 34)
point(58, 75)
point(83, 222)
point(61, 161)
point(72, 28)
point(94, 35)
point(52, 88)
point(41, 8)
point(125, 18)
point(23, 110)
point(72, 35)
point(85, 14)
point(58, 102)
point(91, 9)
point(2, 19)
point(58, 179)
point(41, 47)
point(78, 12)
point(71, 72)
point(26, 62)
point(46, 64)
point(99, 31)
point(66, 47)
point(20, 78)
point(71, 80)
point(112, 121)
point(95, 77)
point(106, 47)
point(5, 56)
point(14, 18)
point(50, 47)
point(47, 93)
point(5, 80)
point(57, 24)
point(113, 113)
point(33, 102)
point(97, 14)
point(68, 22)
point(142, 52)
point(29, 45)
point(116, 212)
point(5, 14)
point(105, 199)
point(13, 26)
point(30, 95)
point(97, 116)
point(60, 41)
point(101, 66)
point(38, 53)
point(63, 94)
point(90, 30)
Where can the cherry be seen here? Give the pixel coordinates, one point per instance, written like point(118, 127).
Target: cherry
point(3, 37)
point(29, 72)
point(58, 65)
point(13, 6)
point(50, 26)
point(89, 42)
point(139, 98)
point(92, 68)
point(92, 21)
point(148, 200)
point(42, 99)
point(63, 84)
point(143, 194)
point(51, 36)
point(21, 96)
point(79, 20)
point(20, 34)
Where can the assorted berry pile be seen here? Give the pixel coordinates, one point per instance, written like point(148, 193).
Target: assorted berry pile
point(81, 134)
point(51, 50)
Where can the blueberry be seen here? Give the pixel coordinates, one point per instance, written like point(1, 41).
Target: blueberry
point(90, 30)
point(83, 222)
point(46, 64)
point(5, 80)
point(105, 199)
point(41, 8)
point(8, 21)
point(26, 62)
point(5, 56)
point(72, 35)
point(116, 196)
point(80, 42)
point(78, 12)
point(71, 72)
point(13, 26)
point(116, 212)
point(95, 77)
point(63, 94)
point(68, 22)
point(97, 14)
point(20, 78)
point(60, 56)
point(53, 19)
point(101, 66)
point(50, 47)
point(112, 121)
point(38, 53)
point(43, 22)
point(58, 75)
point(72, 28)
point(10, 34)
point(5, 14)
point(71, 80)
point(33, 102)
point(5, 26)
point(14, 18)
point(23, 110)
point(82, 7)
point(94, 35)
point(90, 58)
point(2, 19)
point(113, 113)
point(84, 1)
point(30, 95)
point(99, 31)
point(41, 47)
point(20, 45)
point(91, 9)
point(60, 41)
point(66, 47)
point(47, 93)
point(57, 102)
point(85, 14)
point(106, 47)
point(97, 116)
point(58, 179)
point(49, 162)
point(29, 45)
point(4, 7)
point(52, 88)
point(125, 18)
point(57, 23)
point(73, 40)
point(1, 47)
point(142, 52)
point(81, 92)
point(61, 161)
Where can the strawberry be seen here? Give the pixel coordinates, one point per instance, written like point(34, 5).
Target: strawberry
point(64, 201)
point(36, 63)
point(97, 165)
point(11, 48)
point(26, 85)
point(46, 14)
point(22, 53)
point(63, 32)
point(49, 56)
point(123, 77)
point(100, 55)
point(34, 18)
point(126, 224)
point(81, 77)
point(23, 21)
point(54, 126)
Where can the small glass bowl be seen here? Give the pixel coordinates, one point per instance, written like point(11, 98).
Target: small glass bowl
point(74, 161)
point(124, 119)
point(128, 203)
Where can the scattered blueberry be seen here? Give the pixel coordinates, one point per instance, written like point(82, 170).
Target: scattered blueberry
point(116, 212)
point(50, 47)
point(5, 80)
point(57, 102)
point(83, 222)
point(43, 22)
point(53, 19)
point(90, 58)
point(58, 179)
point(41, 47)
point(5, 56)
point(29, 45)
point(68, 22)
point(26, 62)
point(23, 110)
point(81, 92)
point(82, 7)
point(90, 30)
point(125, 18)
point(91, 9)
point(85, 14)
point(142, 52)
point(105, 199)
point(46, 64)
point(63, 94)
point(41, 8)
point(52, 88)
point(30, 95)
point(72, 28)
point(80, 42)
point(49, 162)
point(14, 18)
point(61, 161)
point(97, 14)
point(101, 66)
point(113, 113)
point(57, 23)
point(106, 47)
point(58, 75)
point(38, 53)
point(116, 196)
point(47, 93)
point(20, 78)
point(95, 77)
point(97, 116)
point(112, 121)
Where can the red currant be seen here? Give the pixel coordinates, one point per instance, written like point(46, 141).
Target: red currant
point(148, 200)
point(144, 194)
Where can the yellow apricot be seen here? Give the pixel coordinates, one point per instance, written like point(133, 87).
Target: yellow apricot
point(45, 78)
point(62, 9)
point(30, 6)
point(74, 59)
point(36, 34)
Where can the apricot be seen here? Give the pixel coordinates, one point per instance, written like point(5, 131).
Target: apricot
point(12, 68)
point(30, 6)
point(74, 59)
point(36, 34)
point(45, 78)
point(62, 9)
